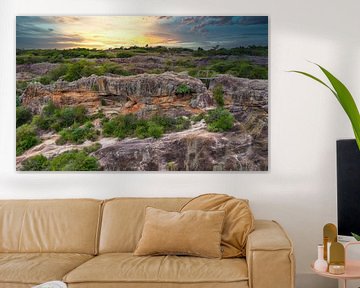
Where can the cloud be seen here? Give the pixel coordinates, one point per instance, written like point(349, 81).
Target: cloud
point(115, 31)
point(165, 17)
point(200, 23)
point(253, 20)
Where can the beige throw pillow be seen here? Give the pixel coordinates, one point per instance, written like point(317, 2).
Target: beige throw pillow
point(196, 233)
point(239, 220)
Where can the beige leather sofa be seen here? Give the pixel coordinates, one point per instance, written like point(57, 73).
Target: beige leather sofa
point(89, 243)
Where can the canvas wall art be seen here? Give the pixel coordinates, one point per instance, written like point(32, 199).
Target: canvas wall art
point(142, 93)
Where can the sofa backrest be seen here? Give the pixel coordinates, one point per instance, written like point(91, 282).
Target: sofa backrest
point(123, 220)
point(67, 226)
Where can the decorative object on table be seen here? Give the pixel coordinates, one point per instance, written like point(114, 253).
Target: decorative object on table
point(320, 264)
point(337, 258)
point(52, 284)
point(329, 236)
point(142, 93)
point(344, 273)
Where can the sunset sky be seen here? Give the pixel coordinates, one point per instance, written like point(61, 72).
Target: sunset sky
point(102, 32)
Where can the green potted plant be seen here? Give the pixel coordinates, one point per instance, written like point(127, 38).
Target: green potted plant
point(347, 102)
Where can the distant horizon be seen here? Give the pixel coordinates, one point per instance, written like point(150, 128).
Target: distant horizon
point(141, 47)
point(105, 32)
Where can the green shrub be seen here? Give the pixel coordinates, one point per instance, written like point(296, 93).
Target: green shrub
point(243, 69)
point(182, 123)
point(124, 55)
point(129, 126)
point(74, 161)
point(54, 118)
point(21, 85)
point(155, 130)
point(199, 117)
point(78, 134)
point(183, 89)
point(35, 163)
point(81, 69)
point(114, 68)
point(219, 120)
point(120, 126)
point(66, 117)
point(23, 116)
point(25, 138)
point(54, 74)
point(218, 93)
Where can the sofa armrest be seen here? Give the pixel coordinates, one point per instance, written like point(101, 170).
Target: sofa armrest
point(269, 255)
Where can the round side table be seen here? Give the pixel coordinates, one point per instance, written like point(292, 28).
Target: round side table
point(352, 269)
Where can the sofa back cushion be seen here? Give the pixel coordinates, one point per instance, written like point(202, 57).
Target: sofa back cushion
point(123, 220)
point(66, 226)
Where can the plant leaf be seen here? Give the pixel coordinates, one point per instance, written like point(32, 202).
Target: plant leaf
point(357, 237)
point(316, 79)
point(347, 102)
point(344, 97)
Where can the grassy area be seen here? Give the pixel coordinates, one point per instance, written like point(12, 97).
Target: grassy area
point(30, 56)
point(83, 68)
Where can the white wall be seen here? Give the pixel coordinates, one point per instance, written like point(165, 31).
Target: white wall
point(300, 189)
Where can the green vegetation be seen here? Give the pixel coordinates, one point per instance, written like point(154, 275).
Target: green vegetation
point(183, 89)
point(344, 97)
point(54, 74)
point(35, 163)
point(58, 56)
point(199, 117)
point(124, 55)
point(219, 120)
point(171, 166)
point(23, 116)
point(77, 134)
point(68, 161)
point(74, 161)
point(54, 118)
point(82, 68)
point(130, 126)
point(238, 51)
point(356, 236)
point(218, 93)
point(243, 69)
point(25, 138)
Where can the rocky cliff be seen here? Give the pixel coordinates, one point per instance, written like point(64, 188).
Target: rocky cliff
point(143, 94)
point(243, 148)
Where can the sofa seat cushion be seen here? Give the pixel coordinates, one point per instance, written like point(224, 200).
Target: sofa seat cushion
point(127, 268)
point(36, 268)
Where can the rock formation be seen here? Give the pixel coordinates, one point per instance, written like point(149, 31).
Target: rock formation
point(244, 148)
point(192, 150)
point(144, 94)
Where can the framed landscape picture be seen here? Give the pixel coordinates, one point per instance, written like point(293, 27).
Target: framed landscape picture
point(142, 93)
